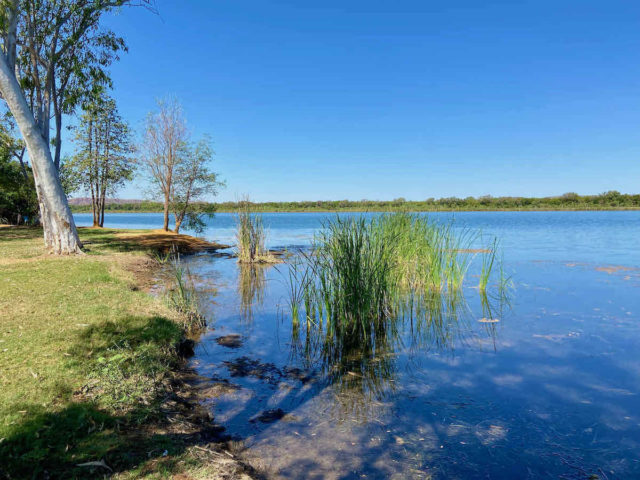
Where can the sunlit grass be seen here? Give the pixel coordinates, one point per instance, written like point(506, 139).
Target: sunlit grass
point(84, 354)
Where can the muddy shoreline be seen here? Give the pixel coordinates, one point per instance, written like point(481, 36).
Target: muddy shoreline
point(183, 414)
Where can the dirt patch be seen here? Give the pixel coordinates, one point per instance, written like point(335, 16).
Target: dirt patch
point(145, 270)
point(167, 241)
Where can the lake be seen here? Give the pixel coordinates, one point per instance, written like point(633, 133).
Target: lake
point(548, 389)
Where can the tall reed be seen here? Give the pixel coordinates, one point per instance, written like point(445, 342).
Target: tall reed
point(183, 298)
point(364, 274)
point(250, 235)
point(488, 260)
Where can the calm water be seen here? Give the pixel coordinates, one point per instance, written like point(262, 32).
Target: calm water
point(550, 391)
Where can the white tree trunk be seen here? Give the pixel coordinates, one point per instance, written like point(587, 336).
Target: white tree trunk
point(60, 234)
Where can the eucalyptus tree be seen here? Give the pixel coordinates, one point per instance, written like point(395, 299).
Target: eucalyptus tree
point(82, 77)
point(194, 182)
point(40, 37)
point(103, 160)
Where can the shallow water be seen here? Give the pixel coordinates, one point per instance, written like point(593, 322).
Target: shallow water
point(549, 391)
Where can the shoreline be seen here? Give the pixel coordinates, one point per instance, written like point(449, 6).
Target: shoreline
point(392, 210)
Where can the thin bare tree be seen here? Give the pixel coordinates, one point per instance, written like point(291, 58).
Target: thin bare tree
point(165, 147)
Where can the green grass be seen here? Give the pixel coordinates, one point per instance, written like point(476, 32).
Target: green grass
point(182, 297)
point(363, 270)
point(85, 358)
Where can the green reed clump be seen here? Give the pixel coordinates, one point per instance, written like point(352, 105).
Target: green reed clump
point(351, 270)
point(250, 236)
point(428, 257)
point(361, 273)
point(183, 298)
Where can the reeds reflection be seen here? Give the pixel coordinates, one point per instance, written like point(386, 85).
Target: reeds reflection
point(367, 363)
point(251, 286)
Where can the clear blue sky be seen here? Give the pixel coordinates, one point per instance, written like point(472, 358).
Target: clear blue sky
point(380, 99)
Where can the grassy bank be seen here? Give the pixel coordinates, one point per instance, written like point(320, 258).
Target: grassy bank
point(92, 381)
point(568, 202)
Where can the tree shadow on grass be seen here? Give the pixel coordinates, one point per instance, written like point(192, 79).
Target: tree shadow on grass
point(12, 233)
point(131, 412)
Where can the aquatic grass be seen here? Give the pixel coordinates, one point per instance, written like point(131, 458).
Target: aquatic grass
point(488, 260)
point(363, 279)
point(351, 267)
point(182, 296)
point(251, 236)
point(362, 270)
point(299, 287)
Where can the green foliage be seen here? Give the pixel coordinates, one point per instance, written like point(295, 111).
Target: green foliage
point(18, 202)
point(194, 181)
point(103, 161)
point(604, 201)
point(362, 274)
point(571, 201)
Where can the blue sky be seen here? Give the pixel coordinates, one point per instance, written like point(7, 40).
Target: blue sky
point(378, 99)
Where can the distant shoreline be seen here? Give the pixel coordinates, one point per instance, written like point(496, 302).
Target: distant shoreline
point(478, 210)
point(614, 201)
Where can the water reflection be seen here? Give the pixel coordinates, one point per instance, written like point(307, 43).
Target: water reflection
point(362, 363)
point(251, 286)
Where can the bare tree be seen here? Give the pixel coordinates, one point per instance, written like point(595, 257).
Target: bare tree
point(165, 146)
point(193, 182)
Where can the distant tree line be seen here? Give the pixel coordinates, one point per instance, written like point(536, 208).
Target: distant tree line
point(611, 200)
